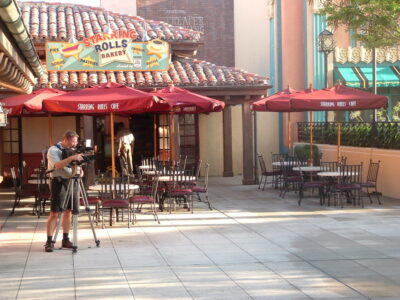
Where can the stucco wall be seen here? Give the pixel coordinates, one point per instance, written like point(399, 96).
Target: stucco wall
point(388, 172)
point(267, 134)
point(122, 7)
point(251, 54)
point(211, 142)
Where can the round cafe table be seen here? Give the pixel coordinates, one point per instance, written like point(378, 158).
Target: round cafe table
point(307, 169)
point(97, 187)
point(146, 167)
point(285, 163)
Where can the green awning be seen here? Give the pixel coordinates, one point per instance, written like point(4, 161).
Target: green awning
point(361, 77)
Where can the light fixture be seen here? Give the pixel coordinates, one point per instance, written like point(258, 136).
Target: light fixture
point(3, 116)
point(326, 43)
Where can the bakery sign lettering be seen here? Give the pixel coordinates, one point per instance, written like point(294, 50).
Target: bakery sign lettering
point(109, 52)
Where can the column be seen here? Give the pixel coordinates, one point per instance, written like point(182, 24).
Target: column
point(227, 141)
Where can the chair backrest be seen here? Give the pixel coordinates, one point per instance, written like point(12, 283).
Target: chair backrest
point(121, 187)
point(206, 171)
point(14, 179)
point(106, 184)
point(351, 173)
point(198, 168)
point(181, 164)
point(329, 166)
point(261, 161)
point(154, 187)
point(373, 170)
point(278, 157)
point(183, 179)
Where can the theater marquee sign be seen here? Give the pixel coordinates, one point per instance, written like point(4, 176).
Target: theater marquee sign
point(108, 52)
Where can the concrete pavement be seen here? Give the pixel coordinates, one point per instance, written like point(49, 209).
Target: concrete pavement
point(253, 245)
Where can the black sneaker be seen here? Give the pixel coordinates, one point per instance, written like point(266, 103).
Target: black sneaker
point(66, 244)
point(49, 247)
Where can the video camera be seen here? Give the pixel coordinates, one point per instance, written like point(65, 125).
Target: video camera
point(82, 148)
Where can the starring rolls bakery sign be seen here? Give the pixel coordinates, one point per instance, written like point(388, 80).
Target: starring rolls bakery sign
point(108, 52)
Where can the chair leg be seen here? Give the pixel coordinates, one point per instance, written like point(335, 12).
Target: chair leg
point(208, 201)
point(300, 196)
point(102, 217)
point(259, 185)
point(265, 182)
point(16, 202)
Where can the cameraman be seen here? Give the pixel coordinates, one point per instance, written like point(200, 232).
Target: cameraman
point(61, 172)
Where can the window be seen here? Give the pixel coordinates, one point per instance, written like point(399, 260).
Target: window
point(189, 138)
point(163, 137)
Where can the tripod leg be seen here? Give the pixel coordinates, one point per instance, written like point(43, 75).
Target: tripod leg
point(87, 209)
point(75, 237)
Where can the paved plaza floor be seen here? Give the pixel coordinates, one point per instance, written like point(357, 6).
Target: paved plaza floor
point(253, 245)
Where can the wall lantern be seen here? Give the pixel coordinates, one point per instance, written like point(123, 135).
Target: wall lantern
point(326, 43)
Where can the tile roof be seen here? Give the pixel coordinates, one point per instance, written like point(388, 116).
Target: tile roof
point(185, 72)
point(61, 21)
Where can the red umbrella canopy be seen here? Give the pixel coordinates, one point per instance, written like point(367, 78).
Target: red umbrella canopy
point(278, 102)
point(182, 101)
point(29, 103)
point(337, 97)
point(103, 99)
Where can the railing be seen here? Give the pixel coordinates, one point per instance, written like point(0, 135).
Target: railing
point(360, 134)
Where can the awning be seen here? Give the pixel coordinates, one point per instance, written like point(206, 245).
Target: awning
point(361, 77)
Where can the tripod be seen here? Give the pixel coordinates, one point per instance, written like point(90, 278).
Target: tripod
point(75, 182)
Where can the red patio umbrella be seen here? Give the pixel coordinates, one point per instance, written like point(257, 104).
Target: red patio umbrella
point(27, 104)
point(108, 98)
point(280, 102)
point(338, 98)
point(30, 105)
point(182, 101)
point(103, 99)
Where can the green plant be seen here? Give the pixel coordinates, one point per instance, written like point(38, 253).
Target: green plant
point(302, 151)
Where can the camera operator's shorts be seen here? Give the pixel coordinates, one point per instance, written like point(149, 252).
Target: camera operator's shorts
point(59, 192)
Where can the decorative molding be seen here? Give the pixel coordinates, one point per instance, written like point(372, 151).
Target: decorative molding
point(360, 54)
point(317, 6)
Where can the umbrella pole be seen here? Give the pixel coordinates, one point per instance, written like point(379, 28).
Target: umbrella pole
point(338, 142)
point(155, 135)
point(289, 135)
point(50, 119)
point(311, 139)
point(172, 137)
point(112, 145)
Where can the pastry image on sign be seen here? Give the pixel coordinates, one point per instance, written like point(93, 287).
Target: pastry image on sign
point(157, 47)
point(72, 50)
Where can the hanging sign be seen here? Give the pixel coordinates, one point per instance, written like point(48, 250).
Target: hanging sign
point(108, 52)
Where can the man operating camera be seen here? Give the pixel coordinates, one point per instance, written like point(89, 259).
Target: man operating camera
point(61, 171)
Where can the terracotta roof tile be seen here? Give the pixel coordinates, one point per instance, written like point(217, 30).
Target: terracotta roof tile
point(61, 21)
point(183, 72)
